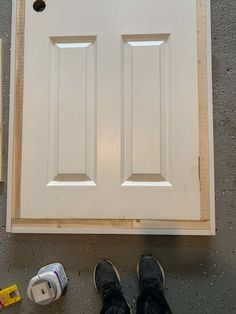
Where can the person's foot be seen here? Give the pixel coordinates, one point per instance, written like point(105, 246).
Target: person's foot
point(106, 277)
point(107, 283)
point(150, 273)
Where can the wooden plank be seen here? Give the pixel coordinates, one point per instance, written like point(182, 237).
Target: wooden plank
point(167, 224)
point(18, 101)
point(211, 170)
point(203, 110)
point(114, 231)
point(11, 173)
point(72, 226)
point(75, 223)
point(110, 224)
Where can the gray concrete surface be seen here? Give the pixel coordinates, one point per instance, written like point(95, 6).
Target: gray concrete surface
point(201, 272)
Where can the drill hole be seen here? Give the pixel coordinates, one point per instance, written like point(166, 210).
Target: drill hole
point(39, 5)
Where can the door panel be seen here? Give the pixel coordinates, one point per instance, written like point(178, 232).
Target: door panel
point(110, 117)
point(146, 86)
point(72, 145)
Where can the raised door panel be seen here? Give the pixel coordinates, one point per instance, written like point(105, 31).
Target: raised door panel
point(72, 129)
point(146, 109)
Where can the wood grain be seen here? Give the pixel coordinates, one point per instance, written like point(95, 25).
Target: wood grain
point(19, 83)
point(111, 224)
point(203, 111)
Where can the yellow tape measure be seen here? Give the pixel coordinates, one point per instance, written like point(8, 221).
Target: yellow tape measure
point(9, 296)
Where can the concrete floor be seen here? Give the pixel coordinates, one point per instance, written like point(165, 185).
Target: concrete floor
point(201, 272)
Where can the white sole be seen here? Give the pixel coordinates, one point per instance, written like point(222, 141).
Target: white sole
point(162, 271)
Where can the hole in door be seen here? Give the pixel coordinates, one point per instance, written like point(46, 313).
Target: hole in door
point(39, 5)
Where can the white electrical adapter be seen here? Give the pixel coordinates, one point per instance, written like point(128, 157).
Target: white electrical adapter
point(48, 285)
point(42, 292)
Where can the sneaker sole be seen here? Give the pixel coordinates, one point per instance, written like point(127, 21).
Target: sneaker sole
point(117, 274)
point(162, 271)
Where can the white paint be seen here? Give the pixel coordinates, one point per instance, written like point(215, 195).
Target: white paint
point(145, 43)
point(146, 120)
point(68, 123)
point(73, 45)
point(72, 146)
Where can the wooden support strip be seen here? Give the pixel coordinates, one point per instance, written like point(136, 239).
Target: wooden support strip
point(75, 223)
point(112, 223)
point(18, 110)
point(170, 224)
point(203, 110)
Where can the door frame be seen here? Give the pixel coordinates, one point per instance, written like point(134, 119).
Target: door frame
point(206, 226)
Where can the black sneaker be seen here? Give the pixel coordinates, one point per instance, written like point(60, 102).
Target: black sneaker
point(150, 273)
point(106, 277)
point(107, 283)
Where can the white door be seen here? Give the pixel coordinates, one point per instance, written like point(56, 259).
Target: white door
point(110, 118)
